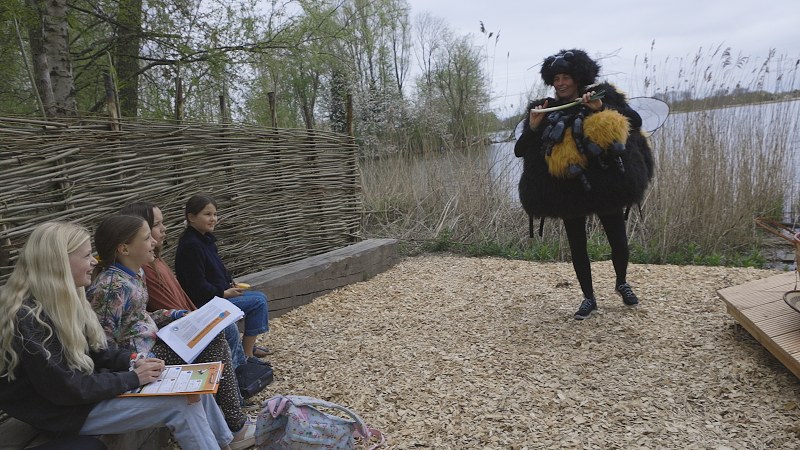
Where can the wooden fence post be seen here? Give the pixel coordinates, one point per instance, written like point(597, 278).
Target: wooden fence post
point(272, 110)
point(178, 100)
point(349, 116)
point(353, 166)
point(113, 114)
point(223, 109)
point(226, 120)
point(111, 102)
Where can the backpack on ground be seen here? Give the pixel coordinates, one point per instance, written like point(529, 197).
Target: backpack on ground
point(253, 378)
point(293, 423)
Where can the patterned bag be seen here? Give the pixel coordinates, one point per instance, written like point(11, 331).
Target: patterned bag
point(292, 423)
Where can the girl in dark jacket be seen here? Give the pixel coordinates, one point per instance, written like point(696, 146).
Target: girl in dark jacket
point(203, 276)
point(588, 158)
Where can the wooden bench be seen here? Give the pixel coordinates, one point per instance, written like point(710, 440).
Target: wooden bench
point(296, 284)
point(17, 435)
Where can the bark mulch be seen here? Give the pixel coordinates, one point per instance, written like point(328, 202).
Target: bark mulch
point(447, 352)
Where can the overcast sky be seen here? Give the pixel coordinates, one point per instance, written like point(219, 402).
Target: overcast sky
point(532, 30)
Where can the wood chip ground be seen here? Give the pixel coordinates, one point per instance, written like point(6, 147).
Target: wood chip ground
point(445, 352)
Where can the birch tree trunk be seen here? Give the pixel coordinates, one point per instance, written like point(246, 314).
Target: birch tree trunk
point(41, 69)
point(49, 35)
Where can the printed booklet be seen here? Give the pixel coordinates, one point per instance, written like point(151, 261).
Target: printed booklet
point(192, 333)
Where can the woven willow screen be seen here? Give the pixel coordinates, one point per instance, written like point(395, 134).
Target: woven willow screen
point(282, 194)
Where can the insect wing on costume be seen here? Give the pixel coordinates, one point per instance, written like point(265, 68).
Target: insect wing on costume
point(653, 112)
point(520, 128)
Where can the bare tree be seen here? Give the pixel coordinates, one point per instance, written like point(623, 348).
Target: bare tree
point(429, 37)
point(461, 85)
point(400, 43)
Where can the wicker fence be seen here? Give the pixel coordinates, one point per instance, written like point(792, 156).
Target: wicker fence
point(282, 194)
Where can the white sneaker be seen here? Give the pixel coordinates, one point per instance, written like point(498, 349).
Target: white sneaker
point(246, 437)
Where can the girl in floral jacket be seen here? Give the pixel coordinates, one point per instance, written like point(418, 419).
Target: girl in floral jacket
point(118, 296)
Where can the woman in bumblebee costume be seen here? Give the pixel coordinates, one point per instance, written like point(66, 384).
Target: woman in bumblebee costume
point(589, 158)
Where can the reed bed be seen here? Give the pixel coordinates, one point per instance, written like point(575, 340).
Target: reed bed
point(718, 170)
point(283, 194)
point(465, 196)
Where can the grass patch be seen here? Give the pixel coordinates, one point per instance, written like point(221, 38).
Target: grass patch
point(598, 247)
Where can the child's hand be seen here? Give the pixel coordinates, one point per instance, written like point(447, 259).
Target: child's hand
point(148, 370)
point(233, 292)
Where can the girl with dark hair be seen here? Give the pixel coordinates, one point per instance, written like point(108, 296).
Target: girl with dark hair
point(203, 276)
point(57, 372)
point(582, 159)
point(119, 297)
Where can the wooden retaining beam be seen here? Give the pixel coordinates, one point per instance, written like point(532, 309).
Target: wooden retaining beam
point(296, 284)
point(759, 307)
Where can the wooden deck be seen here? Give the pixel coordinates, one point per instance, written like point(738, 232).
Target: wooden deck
point(759, 307)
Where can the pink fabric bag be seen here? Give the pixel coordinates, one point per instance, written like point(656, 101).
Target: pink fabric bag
point(293, 423)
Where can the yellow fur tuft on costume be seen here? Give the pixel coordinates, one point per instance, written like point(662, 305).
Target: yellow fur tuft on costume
point(606, 127)
point(564, 154)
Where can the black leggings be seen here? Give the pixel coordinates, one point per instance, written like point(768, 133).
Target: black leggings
point(227, 395)
point(614, 225)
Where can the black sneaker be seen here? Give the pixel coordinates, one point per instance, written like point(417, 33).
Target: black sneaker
point(628, 297)
point(588, 306)
point(254, 360)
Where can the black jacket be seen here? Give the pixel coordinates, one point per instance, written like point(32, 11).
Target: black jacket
point(50, 396)
point(199, 268)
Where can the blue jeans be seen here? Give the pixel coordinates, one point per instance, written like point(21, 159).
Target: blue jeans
point(256, 314)
point(196, 426)
point(235, 343)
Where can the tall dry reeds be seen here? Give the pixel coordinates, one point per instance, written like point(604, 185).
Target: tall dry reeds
point(717, 170)
point(419, 196)
point(720, 168)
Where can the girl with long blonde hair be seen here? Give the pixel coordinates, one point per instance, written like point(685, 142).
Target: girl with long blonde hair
point(57, 373)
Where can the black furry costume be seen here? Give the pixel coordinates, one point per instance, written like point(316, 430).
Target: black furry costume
point(579, 161)
point(610, 187)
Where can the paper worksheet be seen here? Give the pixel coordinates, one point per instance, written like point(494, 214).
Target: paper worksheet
point(192, 333)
